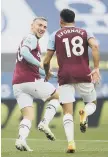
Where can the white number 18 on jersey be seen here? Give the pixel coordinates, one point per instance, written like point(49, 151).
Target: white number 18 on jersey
point(75, 46)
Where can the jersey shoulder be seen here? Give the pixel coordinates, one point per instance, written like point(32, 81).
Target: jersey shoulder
point(30, 38)
point(30, 41)
point(81, 28)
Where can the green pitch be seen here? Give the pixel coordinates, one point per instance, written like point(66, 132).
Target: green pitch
point(94, 143)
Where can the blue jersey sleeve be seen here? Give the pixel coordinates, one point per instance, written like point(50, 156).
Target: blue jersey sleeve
point(29, 44)
point(25, 52)
point(89, 35)
point(30, 41)
point(51, 42)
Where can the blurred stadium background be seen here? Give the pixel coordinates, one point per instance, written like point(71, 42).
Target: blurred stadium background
point(17, 16)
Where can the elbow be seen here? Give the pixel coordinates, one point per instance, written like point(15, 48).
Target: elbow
point(95, 47)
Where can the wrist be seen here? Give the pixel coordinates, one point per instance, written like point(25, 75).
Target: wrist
point(96, 67)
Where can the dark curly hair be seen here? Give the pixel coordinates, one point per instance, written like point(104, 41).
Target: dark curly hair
point(67, 15)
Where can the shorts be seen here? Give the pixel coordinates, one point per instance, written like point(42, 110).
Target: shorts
point(25, 92)
point(86, 91)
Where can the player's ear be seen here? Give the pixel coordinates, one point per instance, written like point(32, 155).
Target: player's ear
point(61, 23)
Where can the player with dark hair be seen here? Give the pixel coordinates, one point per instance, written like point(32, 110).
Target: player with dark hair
point(27, 84)
point(71, 46)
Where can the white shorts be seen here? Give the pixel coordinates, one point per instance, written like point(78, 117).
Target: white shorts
point(25, 92)
point(86, 91)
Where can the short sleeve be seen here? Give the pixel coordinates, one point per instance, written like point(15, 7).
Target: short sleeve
point(51, 42)
point(30, 41)
point(89, 35)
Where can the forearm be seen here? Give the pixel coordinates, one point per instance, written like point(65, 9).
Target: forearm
point(46, 68)
point(95, 51)
point(95, 54)
point(29, 57)
point(46, 62)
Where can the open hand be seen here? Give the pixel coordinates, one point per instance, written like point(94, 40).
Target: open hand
point(95, 75)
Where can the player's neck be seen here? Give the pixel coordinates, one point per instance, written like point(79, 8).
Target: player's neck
point(34, 34)
point(31, 31)
point(69, 25)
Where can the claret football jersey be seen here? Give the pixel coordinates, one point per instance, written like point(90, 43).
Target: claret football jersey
point(71, 47)
point(24, 71)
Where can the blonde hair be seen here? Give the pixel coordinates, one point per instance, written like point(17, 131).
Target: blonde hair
point(40, 18)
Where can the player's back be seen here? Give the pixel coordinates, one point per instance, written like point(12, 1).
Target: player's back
point(71, 46)
point(24, 71)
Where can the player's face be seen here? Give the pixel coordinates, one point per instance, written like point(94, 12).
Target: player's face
point(39, 27)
